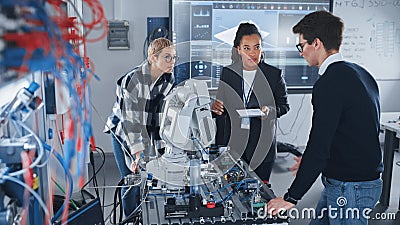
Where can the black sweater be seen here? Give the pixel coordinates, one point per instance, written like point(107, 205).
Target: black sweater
point(343, 143)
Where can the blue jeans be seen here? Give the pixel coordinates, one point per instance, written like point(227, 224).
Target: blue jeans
point(132, 197)
point(346, 203)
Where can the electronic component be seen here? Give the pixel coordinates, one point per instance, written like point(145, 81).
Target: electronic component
point(23, 102)
point(118, 36)
point(232, 203)
point(10, 151)
point(192, 188)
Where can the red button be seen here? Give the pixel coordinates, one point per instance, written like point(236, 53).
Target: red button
point(210, 205)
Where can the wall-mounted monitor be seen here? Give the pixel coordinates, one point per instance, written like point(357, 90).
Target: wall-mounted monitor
point(204, 31)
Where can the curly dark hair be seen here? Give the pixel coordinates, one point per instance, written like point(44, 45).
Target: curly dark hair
point(244, 29)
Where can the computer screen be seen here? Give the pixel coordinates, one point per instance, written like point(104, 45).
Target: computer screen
point(204, 30)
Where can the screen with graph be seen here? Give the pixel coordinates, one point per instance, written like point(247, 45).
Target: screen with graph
point(204, 33)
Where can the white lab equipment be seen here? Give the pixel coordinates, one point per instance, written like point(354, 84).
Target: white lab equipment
point(187, 128)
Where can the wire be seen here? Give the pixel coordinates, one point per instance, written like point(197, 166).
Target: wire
point(98, 19)
point(14, 123)
point(40, 152)
point(108, 205)
point(111, 186)
point(103, 158)
point(28, 179)
point(96, 171)
point(152, 36)
point(68, 180)
point(47, 159)
point(117, 197)
point(113, 133)
point(36, 195)
point(51, 151)
point(104, 183)
point(237, 187)
point(202, 148)
point(398, 163)
point(108, 218)
point(252, 203)
point(94, 176)
point(132, 215)
point(221, 189)
point(295, 118)
point(63, 191)
point(95, 184)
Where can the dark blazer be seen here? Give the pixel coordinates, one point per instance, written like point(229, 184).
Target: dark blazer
point(269, 90)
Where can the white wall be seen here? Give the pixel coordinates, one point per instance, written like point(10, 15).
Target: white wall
point(390, 95)
point(110, 65)
point(295, 125)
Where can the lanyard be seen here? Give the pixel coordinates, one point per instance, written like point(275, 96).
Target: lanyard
point(246, 98)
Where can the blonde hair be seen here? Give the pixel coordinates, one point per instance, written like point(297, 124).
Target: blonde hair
point(157, 45)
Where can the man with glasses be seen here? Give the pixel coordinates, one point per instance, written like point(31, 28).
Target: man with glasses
point(300, 46)
point(343, 143)
point(135, 121)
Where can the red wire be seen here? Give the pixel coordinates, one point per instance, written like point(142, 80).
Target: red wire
point(98, 18)
point(28, 179)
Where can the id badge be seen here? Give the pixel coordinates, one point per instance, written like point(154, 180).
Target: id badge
point(245, 124)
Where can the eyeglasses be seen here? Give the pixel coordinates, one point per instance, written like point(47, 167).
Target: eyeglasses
point(300, 46)
point(169, 58)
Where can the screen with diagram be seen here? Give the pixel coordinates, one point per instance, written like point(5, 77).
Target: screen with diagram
point(372, 38)
point(204, 33)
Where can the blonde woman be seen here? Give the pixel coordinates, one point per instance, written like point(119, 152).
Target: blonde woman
point(135, 120)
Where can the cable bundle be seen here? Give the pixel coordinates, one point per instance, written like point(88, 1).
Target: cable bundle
point(38, 36)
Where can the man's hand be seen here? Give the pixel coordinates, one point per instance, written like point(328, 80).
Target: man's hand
point(296, 166)
point(276, 205)
point(218, 107)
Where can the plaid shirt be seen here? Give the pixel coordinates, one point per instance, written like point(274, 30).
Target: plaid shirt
point(138, 109)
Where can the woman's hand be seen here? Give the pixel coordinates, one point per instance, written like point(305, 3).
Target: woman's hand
point(217, 107)
point(134, 164)
point(265, 110)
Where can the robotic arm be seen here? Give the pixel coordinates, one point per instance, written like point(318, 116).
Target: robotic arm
point(187, 117)
point(187, 128)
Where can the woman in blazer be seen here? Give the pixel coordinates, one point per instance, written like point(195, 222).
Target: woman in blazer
point(250, 83)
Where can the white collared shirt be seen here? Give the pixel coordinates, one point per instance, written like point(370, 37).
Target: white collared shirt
point(248, 77)
point(337, 57)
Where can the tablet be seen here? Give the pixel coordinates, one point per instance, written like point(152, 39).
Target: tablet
point(250, 113)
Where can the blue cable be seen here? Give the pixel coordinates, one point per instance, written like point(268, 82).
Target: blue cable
point(68, 67)
point(239, 185)
point(69, 178)
point(202, 148)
